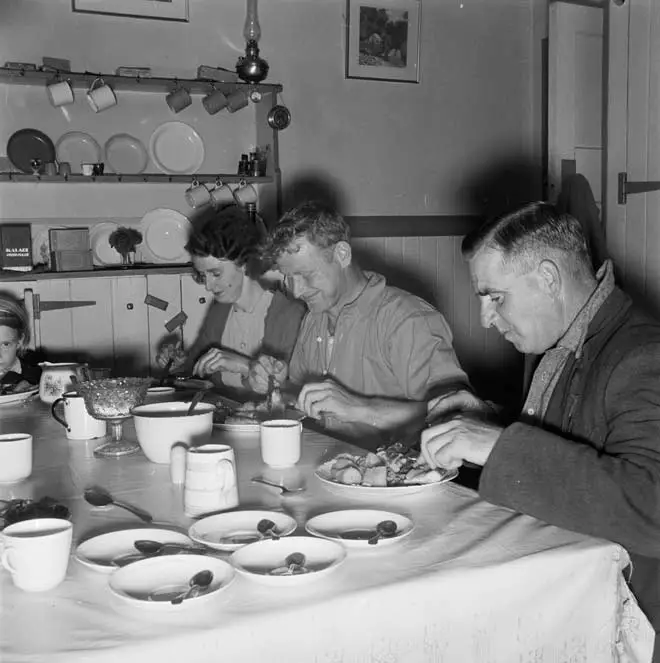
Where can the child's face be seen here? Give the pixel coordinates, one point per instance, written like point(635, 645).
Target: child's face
point(9, 344)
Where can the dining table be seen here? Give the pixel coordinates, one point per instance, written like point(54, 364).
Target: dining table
point(472, 581)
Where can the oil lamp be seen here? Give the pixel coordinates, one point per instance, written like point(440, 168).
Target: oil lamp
point(251, 67)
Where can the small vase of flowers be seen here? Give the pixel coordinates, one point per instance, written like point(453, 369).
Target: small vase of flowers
point(124, 241)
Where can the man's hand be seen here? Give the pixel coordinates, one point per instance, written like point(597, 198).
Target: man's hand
point(262, 368)
point(462, 438)
point(328, 399)
point(217, 359)
point(453, 402)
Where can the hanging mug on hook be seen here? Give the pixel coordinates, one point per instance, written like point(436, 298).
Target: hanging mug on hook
point(197, 195)
point(100, 96)
point(221, 194)
point(245, 193)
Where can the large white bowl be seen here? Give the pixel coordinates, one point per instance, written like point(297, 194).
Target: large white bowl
point(159, 426)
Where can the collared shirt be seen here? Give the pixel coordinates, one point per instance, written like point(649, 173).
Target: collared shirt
point(386, 342)
point(554, 360)
point(244, 332)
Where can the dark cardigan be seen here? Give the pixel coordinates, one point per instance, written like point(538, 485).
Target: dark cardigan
point(594, 467)
point(281, 326)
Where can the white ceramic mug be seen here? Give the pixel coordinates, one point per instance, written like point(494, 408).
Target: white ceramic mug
point(245, 193)
point(197, 195)
point(281, 442)
point(178, 99)
point(214, 101)
point(36, 552)
point(15, 457)
point(210, 482)
point(222, 194)
point(79, 424)
point(100, 96)
point(60, 94)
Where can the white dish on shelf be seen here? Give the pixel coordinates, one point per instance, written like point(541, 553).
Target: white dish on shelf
point(77, 147)
point(176, 149)
point(102, 253)
point(125, 155)
point(164, 236)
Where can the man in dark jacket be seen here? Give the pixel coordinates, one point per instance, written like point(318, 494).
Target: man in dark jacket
point(585, 452)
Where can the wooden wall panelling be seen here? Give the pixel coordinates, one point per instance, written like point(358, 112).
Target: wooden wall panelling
point(130, 321)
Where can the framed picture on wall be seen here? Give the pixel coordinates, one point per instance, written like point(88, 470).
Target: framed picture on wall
point(382, 39)
point(165, 10)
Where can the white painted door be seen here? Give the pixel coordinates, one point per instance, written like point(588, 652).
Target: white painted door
point(130, 325)
point(633, 145)
point(575, 95)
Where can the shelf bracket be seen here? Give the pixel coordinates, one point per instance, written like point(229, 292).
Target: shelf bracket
point(627, 188)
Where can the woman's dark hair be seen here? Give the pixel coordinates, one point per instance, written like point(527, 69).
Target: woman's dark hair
point(227, 234)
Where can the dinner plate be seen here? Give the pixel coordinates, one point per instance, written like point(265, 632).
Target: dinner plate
point(98, 552)
point(125, 155)
point(238, 428)
point(323, 474)
point(355, 527)
point(176, 149)
point(258, 560)
point(164, 236)
point(102, 252)
point(27, 144)
point(233, 530)
point(153, 583)
point(77, 147)
point(18, 398)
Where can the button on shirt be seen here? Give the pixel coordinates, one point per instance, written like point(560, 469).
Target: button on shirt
point(244, 333)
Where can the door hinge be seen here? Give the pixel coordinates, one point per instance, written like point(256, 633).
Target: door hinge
point(627, 188)
point(40, 306)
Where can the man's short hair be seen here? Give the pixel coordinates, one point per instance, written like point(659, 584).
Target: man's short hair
point(317, 222)
point(531, 234)
point(227, 234)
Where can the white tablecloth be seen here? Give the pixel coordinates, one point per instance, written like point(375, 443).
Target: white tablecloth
point(472, 583)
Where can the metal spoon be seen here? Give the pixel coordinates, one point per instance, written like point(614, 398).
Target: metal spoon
point(148, 547)
point(384, 529)
point(101, 497)
point(201, 580)
point(195, 400)
point(266, 528)
point(284, 489)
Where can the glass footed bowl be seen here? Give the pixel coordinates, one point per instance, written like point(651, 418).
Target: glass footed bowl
point(112, 400)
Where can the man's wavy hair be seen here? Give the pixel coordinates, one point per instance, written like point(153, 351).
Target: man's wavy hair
point(317, 222)
point(533, 233)
point(227, 234)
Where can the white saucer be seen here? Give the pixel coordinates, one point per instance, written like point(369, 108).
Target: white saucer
point(218, 531)
point(164, 236)
point(176, 149)
point(99, 552)
point(152, 583)
point(359, 523)
point(258, 560)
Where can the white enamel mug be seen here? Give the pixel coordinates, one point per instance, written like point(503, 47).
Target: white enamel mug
point(60, 94)
point(15, 457)
point(210, 481)
point(79, 424)
point(281, 442)
point(100, 96)
point(36, 552)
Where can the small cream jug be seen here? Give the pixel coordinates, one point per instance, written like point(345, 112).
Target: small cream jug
point(58, 378)
point(210, 480)
point(79, 424)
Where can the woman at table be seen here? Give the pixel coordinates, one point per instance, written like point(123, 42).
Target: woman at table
point(17, 373)
point(246, 318)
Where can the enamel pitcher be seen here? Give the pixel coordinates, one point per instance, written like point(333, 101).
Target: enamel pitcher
point(59, 378)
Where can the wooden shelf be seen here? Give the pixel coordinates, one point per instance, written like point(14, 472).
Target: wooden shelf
point(134, 84)
point(148, 178)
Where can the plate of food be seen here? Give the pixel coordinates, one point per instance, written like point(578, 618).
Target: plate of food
point(235, 529)
point(360, 528)
point(16, 393)
point(392, 469)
